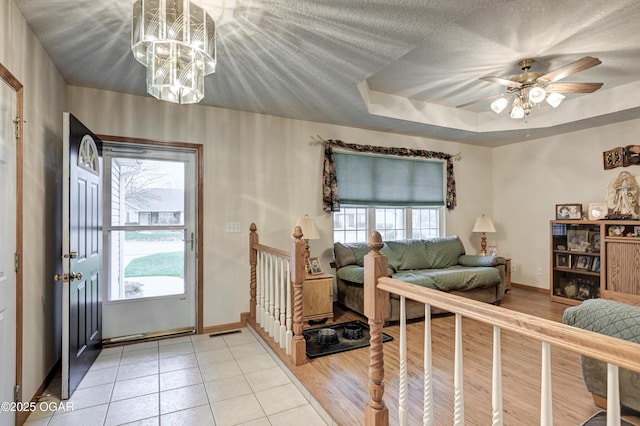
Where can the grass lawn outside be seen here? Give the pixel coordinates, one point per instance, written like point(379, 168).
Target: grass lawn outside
point(169, 264)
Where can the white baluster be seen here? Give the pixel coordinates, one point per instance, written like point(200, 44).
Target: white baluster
point(458, 376)
point(276, 311)
point(265, 292)
point(613, 395)
point(427, 411)
point(283, 304)
point(546, 402)
point(271, 295)
point(259, 279)
point(402, 386)
point(289, 333)
point(496, 384)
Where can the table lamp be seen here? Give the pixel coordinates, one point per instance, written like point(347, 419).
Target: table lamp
point(483, 224)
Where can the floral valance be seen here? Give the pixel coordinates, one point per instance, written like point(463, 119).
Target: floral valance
point(330, 197)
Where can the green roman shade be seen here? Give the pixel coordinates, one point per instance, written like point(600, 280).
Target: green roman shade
point(380, 180)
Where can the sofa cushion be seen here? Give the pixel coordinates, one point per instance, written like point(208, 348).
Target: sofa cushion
point(475, 260)
point(443, 252)
point(411, 254)
point(350, 254)
point(455, 278)
point(354, 253)
point(354, 273)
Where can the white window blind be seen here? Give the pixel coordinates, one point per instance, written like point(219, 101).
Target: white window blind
point(380, 180)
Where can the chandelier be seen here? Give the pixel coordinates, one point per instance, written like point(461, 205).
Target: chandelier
point(524, 99)
point(176, 41)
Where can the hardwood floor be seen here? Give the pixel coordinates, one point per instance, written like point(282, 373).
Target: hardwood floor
point(339, 381)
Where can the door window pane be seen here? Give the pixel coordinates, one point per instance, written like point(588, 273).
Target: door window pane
point(146, 264)
point(147, 192)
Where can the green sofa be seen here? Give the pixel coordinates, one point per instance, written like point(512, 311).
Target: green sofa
point(438, 263)
point(613, 319)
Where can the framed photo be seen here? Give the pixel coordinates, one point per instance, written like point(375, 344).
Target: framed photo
point(314, 266)
point(595, 267)
point(569, 211)
point(636, 231)
point(597, 211)
point(492, 250)
point(583, 262)
point(563, 260)
point(594, 240)
point(577, 239)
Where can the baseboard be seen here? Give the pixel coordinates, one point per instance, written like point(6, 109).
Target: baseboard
point(226, 327)
point(22, 416)
point(530, 288)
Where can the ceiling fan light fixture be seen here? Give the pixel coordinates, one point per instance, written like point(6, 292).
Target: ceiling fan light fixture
point(537, 94)
point(554, 99)
point(499, 105)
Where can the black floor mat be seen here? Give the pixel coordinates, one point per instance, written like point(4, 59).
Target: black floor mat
point(315, 349)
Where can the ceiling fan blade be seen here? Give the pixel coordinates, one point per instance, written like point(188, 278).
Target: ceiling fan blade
point(480, 100)
point(574, 87)
point(501, 81)
point(569, 69)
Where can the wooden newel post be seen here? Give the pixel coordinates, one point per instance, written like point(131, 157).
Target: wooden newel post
point(376, 309)
point(298, 276)
point(253, 261)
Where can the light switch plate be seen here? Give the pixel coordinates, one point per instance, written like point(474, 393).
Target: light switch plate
point(233, 227)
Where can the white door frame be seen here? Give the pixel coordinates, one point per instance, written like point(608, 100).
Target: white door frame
point(13, 82)
point(198, 148)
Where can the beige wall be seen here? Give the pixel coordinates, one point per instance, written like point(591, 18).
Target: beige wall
point(530, 178)
point(264, 169)
point(44, 91)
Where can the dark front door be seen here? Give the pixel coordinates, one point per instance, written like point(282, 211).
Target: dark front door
point(82, 252)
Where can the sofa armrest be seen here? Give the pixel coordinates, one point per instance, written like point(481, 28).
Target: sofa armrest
point(607, 317)
point(474, 260)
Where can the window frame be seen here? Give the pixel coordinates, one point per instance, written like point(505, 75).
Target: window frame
point(371, 222)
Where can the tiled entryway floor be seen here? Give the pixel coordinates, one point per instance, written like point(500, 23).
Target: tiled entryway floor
point(230, 379)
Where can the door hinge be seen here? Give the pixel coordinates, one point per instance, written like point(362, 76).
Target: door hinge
point(17, 123)
point(16, 393)
point(16, 261)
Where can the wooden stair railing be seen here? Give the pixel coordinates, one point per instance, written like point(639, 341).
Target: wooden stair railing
point(275, 294)
point(615, 352)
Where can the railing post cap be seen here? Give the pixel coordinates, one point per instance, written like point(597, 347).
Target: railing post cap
point(253, 227)
point(375, 242)
point(297, 233)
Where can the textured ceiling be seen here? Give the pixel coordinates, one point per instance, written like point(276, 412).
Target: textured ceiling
point(397, 66)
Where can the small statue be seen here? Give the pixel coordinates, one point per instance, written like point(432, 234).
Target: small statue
point(622, 196)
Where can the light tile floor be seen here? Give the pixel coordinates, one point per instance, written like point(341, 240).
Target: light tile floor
point(231, 379)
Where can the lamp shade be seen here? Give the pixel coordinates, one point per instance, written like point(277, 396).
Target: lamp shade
point(483, 224)
point(309, 228)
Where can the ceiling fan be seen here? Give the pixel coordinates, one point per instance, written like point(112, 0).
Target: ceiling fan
point(530, 88)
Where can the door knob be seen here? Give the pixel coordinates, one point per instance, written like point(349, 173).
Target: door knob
point(75, 276)
point(61, 277)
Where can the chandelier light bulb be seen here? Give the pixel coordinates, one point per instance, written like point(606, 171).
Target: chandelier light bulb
point(537, 94)
point(499, 105)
